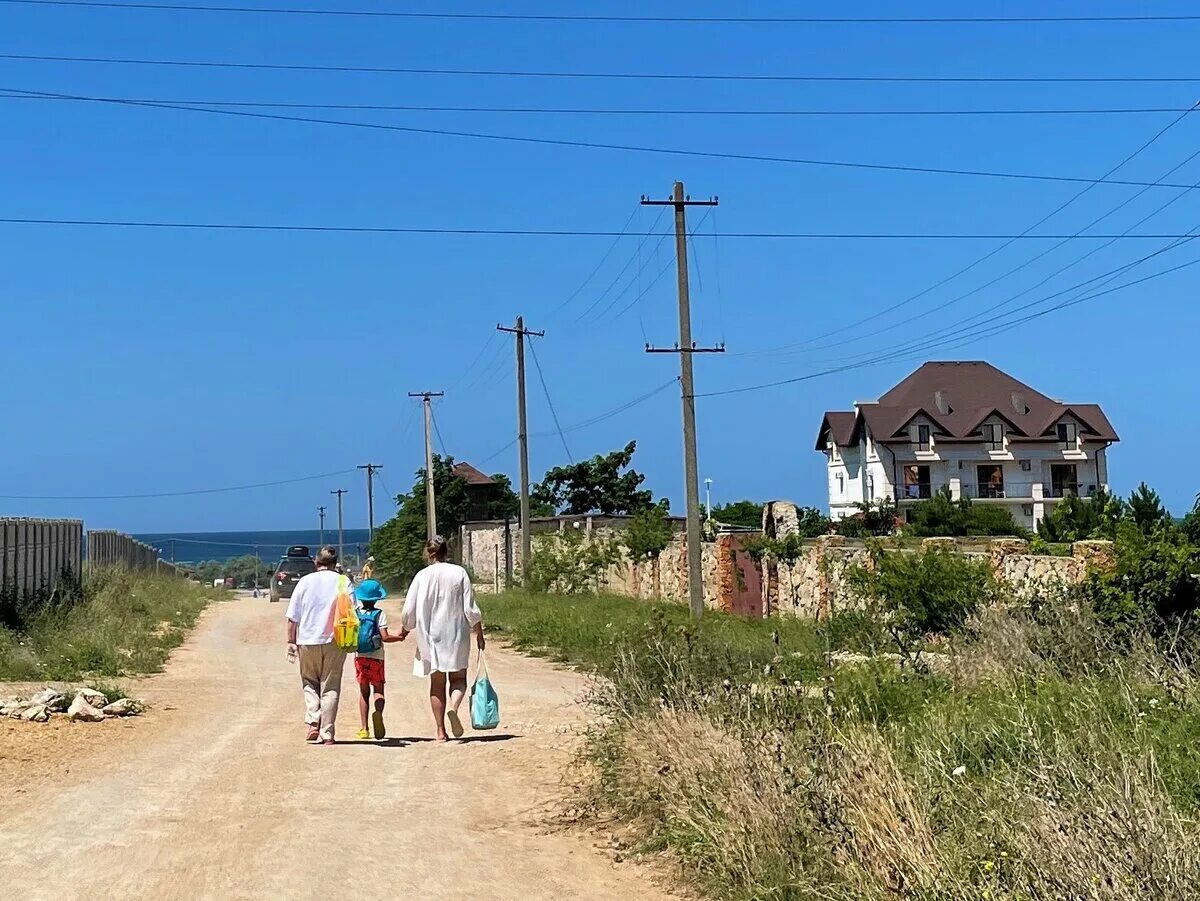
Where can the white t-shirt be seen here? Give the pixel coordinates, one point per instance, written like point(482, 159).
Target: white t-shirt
point(313, 606)
point(383, 624)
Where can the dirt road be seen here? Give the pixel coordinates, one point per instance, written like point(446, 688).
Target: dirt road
point(215, 795)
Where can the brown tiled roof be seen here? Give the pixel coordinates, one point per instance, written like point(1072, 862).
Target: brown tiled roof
point(838, 425)
point(471, 475)
point(969, 392)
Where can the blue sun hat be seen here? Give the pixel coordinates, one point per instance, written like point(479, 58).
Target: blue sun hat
point(370, 591)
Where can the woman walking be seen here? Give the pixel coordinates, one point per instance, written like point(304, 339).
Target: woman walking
point(440, 608)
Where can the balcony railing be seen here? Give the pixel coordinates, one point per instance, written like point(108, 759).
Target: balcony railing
point(1006, 491)
point(1068, 489)
point(922, 492)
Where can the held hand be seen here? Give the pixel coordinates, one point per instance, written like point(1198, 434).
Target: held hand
point(404, 633)
point(480, 641)
point(292, 653)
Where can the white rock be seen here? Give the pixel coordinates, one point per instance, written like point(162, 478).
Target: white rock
point(123, 707)
point(83, 712)
point(93, 697)
point(15, 709)
point(51, 698)
point(38, 713)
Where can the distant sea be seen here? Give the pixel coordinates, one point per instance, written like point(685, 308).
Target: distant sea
point(195, 547)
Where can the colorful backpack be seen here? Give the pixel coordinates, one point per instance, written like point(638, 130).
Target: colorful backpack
point(369, 637)
point(345, 618)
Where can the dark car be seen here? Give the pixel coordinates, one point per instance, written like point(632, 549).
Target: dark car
point(294, 565)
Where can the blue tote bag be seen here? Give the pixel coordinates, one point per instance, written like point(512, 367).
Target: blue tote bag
point(485, 703)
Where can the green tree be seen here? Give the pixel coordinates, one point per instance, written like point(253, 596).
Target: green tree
point(1079, 519)
point(942, 516)
point(812, 523)
point(1146, 509)
point(399, 543)
point(1191, 524)
point(1153, 583)
point(568, 561)
point(739, 513)
point(648, 533)
point(597, 485)
point(871, 521)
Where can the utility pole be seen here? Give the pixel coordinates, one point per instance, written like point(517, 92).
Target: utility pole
point(522, 435)
point(430, 508)
point(370, 468)
point(321, 514)
point(339, 494)
point(686, 348)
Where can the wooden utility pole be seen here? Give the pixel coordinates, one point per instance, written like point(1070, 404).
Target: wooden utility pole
point(370, 468)
point(430, 508)
point(522, 436)
point(321, 533)
point(686, 348)
point(341, 535)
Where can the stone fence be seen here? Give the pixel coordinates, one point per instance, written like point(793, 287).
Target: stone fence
point(812, 584)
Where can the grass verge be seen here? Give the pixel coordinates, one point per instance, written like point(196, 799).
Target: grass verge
point(123, 622)
point(1035, 762)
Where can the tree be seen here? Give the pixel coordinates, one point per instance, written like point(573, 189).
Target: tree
point(648, 533)
point(739, 513)
point(597, 485)
point(871, 520)
point(1191, 524)
point(942, 516)
point(399, 543)
point(1146, 509)
point(1076, 519)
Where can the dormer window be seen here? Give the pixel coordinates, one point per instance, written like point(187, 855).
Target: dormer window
point(923, 438)
point(1068, 435)
point(993, 436)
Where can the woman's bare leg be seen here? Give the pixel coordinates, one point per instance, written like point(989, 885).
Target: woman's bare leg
point(458, 688)
point(437, 703)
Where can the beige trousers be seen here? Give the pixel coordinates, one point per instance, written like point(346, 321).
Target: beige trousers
point(321, 674)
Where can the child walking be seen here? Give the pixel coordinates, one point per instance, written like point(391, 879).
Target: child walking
point(368, 661)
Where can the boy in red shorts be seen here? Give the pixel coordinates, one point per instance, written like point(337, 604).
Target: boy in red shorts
point(368, 661)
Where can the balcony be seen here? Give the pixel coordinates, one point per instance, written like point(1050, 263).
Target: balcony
point(1068, 489)
point(921, 492)
point(1006, 491)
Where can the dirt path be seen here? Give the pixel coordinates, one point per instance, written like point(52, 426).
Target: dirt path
point(215, 795)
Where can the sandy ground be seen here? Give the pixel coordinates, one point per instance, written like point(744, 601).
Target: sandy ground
point(214, 793)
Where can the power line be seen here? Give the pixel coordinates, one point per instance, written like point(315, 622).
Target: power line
point(155, 494)
point(660, 76)
point(591, 17)
point(573, 233)
point(596, 145)
point(438, 431)
point(604, 259)
point(644, 111)
point(546, 391)
point(1007, 243)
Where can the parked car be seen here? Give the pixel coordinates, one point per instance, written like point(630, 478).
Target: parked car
point(293, 566)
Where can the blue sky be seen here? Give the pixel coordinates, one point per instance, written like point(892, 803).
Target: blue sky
point(142, 360)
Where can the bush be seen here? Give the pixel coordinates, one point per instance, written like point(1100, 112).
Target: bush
point(1077, 519)
point(1153, 585)
point(871, 521)
point(943, 517)
point(931, 591)
point(647, 534)
point(570, 562)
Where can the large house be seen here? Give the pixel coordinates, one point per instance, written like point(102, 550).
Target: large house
point(973, 429)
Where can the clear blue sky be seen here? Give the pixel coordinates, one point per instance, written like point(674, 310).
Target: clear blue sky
point(143, 360)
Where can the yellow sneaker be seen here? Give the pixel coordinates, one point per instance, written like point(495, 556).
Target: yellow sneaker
point(364, 735)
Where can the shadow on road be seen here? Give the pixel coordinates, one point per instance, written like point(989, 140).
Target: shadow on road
point(413, 740)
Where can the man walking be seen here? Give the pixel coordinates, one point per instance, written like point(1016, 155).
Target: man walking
point(310, 618)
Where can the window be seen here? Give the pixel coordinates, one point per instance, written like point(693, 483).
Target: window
point(1026, 466)
point(923, 442)
point(1068, 435)
point(916, 483)
point(1064, 480)
point(870, 488)
point(991, 480)
point(841, 480)
point(993, 436)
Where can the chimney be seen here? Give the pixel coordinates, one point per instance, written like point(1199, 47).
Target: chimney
point(940, 401)
point(1018, 402)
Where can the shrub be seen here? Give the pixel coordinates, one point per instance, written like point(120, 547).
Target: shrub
point(871, 521)
point(1153, 584)
point(931, 591)
point(570, 562)
point(647, 534)
point(1076, 519)
point(943, 517)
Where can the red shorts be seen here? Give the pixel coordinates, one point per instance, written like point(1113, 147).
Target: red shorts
point(368, 670)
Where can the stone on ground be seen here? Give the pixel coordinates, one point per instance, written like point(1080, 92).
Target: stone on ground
point(38, 713)
point(95, 698)
point(81, 711)
point(123, 707)
point(52, 698)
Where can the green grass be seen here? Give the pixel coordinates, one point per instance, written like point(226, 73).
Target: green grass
point(1039, 764)
point(125, 622)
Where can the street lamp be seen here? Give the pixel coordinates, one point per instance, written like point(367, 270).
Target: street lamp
point(708, 497)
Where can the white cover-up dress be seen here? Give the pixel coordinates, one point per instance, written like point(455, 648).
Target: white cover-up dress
point(440, 610)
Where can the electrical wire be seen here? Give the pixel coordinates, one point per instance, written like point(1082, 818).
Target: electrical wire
point(560, 233)
point(658, 76)
point(643, 111)
point(157, 494)
point(594, 17)
point(987, 256)
point(474, 361)
point(643, 291)
point(635, 257)
point(604, 259)
point(437, 431)
point(550, 403)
